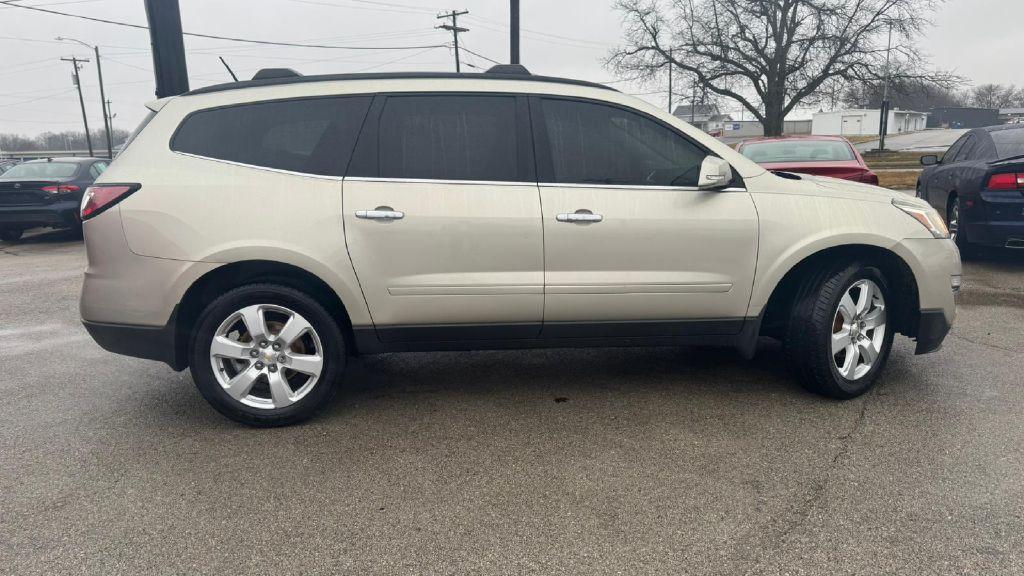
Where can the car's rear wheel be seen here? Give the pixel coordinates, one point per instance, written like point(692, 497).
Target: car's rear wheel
point(11, 234)
point(267, 355)
point(838, 338)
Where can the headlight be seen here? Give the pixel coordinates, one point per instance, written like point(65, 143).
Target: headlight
point(928, 217)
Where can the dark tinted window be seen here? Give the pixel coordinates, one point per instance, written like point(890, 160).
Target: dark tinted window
point(315, 136)
point(950, 155)
point(1009, 142)
point(96, 169)
point(449, 138)
point(967, 148)
point(598, 144)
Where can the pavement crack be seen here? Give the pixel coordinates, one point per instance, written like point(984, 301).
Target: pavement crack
point(985, 344)
point(807, 506)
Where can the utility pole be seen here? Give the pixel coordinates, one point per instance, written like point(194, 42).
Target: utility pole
point(103, 105)
point(103, 95)
point(883, 115)
point(454, 28)
point(514, 33)
point(78, 84)
point(168, 46)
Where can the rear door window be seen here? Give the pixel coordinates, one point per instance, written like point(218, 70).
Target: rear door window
point(314, 135)
point(96, 169)
point(449, 137)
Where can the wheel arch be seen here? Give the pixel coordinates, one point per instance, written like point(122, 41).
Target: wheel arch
point(903, 285)
point(223, 278)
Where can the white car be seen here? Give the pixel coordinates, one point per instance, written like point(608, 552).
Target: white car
point(260, 232)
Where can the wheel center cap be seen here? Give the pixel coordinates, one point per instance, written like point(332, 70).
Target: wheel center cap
point(268, 356)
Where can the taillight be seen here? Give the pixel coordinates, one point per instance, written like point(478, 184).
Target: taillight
point(869, 178)
point(1007, 181)
point(98, 198)
point(60, 189)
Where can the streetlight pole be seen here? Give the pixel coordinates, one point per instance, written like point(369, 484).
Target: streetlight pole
point(103, 94)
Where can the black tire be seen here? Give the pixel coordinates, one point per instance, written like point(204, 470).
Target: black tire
point(11, 234)
point(808, 343)
point(327, 329)
point(954, 221)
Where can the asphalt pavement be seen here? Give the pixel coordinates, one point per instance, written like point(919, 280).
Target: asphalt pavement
point(620, 461)
point(927, 141)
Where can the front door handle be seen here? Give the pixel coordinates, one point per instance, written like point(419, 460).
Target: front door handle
point(380, 213)
point(579, 216)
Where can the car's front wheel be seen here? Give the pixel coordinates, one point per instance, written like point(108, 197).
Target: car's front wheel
point(266, 355)
point(838, 338)
point(954, 221)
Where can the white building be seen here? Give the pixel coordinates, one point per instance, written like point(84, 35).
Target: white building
point(865, 122)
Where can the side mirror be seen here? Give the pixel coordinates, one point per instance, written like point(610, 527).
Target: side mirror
point(715, 173)
point(929, 160)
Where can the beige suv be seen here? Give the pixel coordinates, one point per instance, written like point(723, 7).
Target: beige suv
point(261, 232)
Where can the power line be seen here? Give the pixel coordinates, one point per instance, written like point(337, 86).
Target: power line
point(478, 55)
point(215, 37)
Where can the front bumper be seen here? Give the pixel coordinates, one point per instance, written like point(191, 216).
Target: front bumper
point(62, 214)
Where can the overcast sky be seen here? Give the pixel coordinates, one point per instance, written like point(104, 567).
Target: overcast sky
point(979, 39)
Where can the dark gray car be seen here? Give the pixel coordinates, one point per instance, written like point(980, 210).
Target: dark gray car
point(45, 193)
point(979, 185)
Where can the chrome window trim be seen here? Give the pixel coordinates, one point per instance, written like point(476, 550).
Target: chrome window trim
point(451, 182)
point(636, 187)
point(267, 168)
point(438, 181)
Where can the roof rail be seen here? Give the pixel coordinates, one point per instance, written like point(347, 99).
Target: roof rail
point(510, 69)
point(269, 73)
point(284, 76)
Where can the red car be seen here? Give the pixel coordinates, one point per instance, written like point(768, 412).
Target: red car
point(818, 155)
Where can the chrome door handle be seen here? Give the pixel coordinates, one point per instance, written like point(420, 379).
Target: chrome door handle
point(579, 217)
point(381, 213)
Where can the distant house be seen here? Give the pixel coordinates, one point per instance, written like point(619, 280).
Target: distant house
point(962, 117)
point(706, 117)
point(865, 122)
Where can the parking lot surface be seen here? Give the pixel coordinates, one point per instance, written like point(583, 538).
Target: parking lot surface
point(621, 461)
point(927, 141)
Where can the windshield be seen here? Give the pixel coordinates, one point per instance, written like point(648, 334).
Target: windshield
point(798, 151)
point(42, 170)
point(1009, 143)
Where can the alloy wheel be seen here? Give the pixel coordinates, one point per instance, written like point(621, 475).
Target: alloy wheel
point(858, 329)
point(266, 356)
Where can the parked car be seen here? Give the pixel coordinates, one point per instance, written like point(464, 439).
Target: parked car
point(6, 164)
point(831, 156)
point(260, 232)
point(979, 186)
point(45, 193)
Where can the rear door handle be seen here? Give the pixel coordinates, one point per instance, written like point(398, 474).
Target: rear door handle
point(579, 217)
point(380, 213)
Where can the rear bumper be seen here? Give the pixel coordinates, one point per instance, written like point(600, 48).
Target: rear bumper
point(994, 233)
point(62, 214)
point(931, 331)
point(148, 342)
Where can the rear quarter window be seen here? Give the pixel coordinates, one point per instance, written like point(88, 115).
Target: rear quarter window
point(314, 135)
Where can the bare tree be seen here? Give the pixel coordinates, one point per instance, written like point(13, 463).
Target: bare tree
point(773, 55)
point(997, 96)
